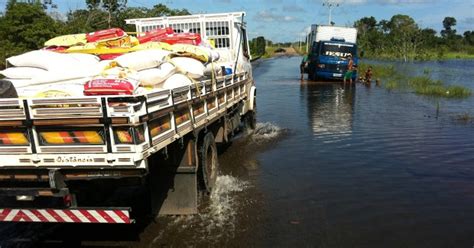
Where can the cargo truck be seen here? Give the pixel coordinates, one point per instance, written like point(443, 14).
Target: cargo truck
point(328, 52)
point(169, 153)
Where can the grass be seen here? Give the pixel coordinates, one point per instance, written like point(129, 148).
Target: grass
point(421, 85)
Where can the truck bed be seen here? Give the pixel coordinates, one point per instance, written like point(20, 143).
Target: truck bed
point(145, 123)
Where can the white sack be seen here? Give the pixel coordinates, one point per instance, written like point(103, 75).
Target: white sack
point(44, 59)
point(177, 80)
point(72, 88)
point(22, 72)
point(142, 60)
point(191, 67)
point(210, 67)
point(85, 59)
point(156, 76)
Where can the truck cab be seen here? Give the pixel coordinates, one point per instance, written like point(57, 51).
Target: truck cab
point(329, 51)
point(328, 59)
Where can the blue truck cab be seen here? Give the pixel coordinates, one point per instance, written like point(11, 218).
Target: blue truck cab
point(329, 59)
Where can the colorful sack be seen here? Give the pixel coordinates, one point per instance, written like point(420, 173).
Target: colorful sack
point(155, 35)
point(107, 34)
point(106, 86)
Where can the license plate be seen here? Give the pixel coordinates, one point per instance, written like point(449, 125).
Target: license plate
point(337, 75)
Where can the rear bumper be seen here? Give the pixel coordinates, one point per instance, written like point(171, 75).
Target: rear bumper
point(72, 215)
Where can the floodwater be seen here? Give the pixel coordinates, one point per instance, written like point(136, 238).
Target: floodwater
point(329, 166)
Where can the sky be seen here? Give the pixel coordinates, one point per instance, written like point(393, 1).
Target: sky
point(287, 20)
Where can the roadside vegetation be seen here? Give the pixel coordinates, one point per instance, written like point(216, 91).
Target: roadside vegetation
point(421, 84)
point(401, 38)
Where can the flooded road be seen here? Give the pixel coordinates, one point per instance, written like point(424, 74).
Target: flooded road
point(328, 166)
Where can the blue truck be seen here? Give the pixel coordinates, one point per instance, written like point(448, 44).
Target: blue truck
point(329, 52)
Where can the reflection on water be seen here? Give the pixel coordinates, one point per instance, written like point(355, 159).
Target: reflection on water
point(330, 107)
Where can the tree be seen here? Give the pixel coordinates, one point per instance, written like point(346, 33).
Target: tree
point(404, 36)
point(25, 27)
point(257, 46)
point(448, 24)
point(112, 7)
point(469, 37)
point(162, 10)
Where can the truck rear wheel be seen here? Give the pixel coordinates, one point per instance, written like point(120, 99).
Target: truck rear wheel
point(208, 163)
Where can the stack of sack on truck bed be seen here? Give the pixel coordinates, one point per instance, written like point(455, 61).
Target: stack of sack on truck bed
point(110, 62)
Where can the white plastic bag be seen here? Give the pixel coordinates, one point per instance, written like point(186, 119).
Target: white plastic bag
point(43, 59)
point(142, 60)
point(175, 81)
point(22, 72)
point(85, 59)
point(63, 89)
point(189, 66)
point(210, 67)
point(156, 76)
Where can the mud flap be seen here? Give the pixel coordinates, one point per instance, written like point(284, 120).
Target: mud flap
point(182, 197)
point(173, 180)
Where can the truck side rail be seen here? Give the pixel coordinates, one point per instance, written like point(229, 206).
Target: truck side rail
point(124, 130)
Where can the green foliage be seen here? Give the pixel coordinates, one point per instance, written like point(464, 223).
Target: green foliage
point(401, 38)
point(257, 46)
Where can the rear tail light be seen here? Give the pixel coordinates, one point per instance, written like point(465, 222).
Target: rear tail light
point(129, 135)
point(13, 138)
point(68, 137)
point(160, 125)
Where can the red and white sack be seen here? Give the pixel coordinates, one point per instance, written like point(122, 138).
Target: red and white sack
point(110, 86)
point(155, 35)
point(107, 34)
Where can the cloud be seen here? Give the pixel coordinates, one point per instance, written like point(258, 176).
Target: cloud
point(271, 16)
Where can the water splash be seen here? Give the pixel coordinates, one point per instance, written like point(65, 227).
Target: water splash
point(218, 212)
point(222, 207)
point(266, 131)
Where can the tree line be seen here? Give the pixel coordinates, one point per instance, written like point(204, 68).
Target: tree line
point(25, 26)
point(402, 38)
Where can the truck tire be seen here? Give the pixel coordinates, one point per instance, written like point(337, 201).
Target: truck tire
point(208, 163)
